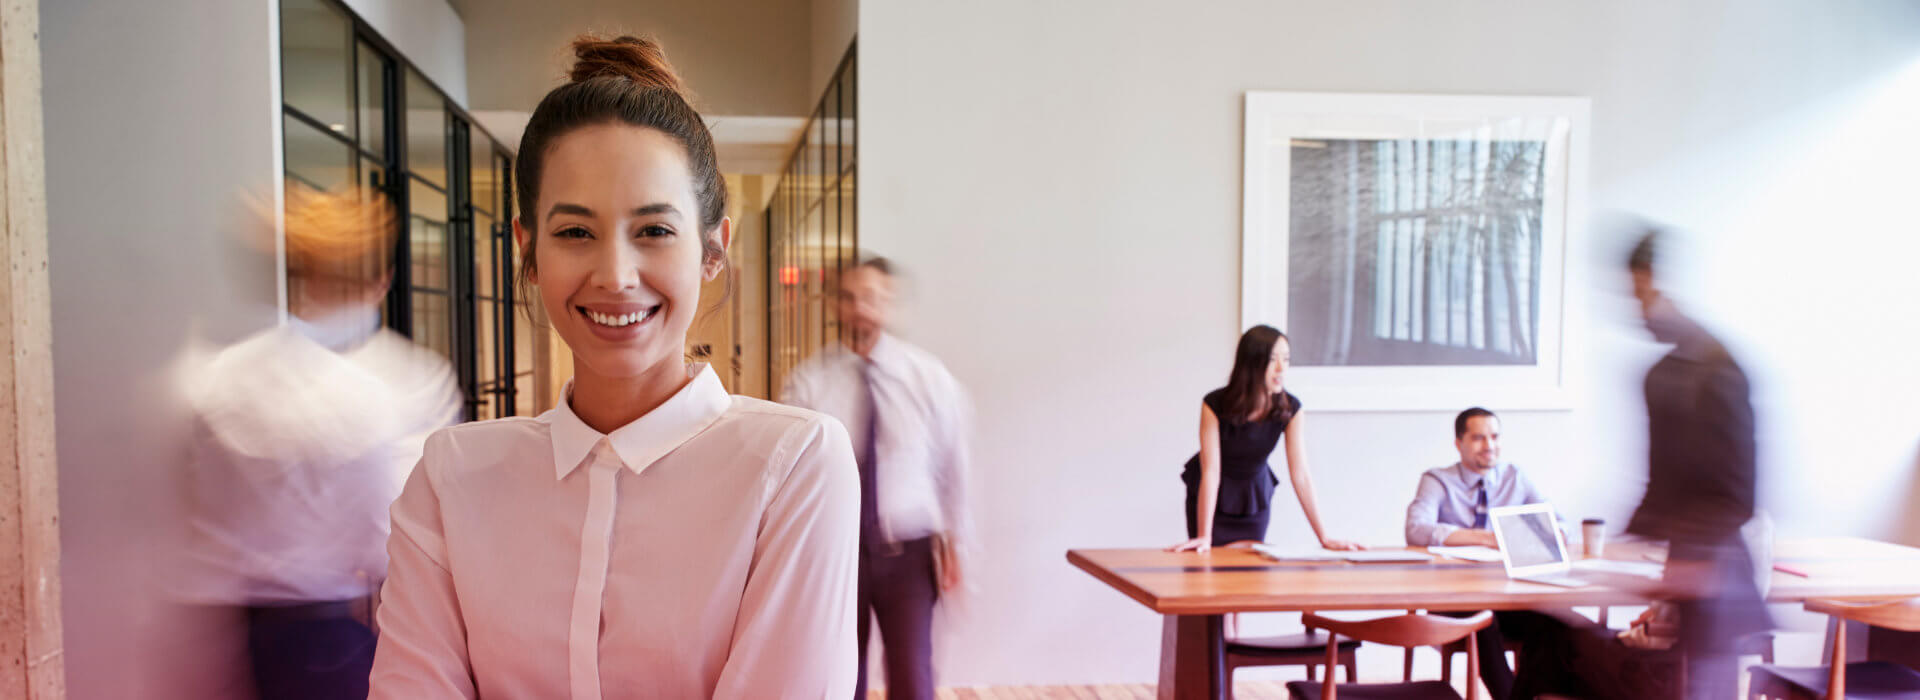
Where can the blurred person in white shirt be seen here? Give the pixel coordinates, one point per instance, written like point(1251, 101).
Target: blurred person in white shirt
point(651, 536)
point(908, 420)
point(304, 434)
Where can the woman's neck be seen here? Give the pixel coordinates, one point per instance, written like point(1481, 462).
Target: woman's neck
point(607, 403)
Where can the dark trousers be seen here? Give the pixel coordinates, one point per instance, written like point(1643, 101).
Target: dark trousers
point(897, 589)
point(309, 659)
point(1516, 625)
point(1587, 661)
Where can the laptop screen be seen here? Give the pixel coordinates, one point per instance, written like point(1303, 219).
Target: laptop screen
point(1530, 539)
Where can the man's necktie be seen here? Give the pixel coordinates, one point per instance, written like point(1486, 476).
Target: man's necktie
point(1480, 507)
point(870, 534)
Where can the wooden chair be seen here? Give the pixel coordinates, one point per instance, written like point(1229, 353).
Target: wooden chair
point(1869, 679)
point(1412, 630)
point(1306, 649)
point(1286, 649)
point(1447, 652)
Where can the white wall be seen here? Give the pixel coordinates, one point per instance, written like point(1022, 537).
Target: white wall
point(147, 162)
point(429, 33)
point(1063, 178)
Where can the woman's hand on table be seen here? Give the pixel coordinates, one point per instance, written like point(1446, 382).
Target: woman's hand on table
point(1197, 544)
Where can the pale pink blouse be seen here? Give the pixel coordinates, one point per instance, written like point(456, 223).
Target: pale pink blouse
point(705, 550)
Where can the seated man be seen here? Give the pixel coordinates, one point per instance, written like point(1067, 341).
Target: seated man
point(1451, 507)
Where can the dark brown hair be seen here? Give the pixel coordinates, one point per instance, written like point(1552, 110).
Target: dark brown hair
point(625, 80)
point(1247, 398)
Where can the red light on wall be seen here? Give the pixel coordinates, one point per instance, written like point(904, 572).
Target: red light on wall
point(789, 275)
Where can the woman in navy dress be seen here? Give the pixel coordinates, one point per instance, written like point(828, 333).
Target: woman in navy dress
point(1229, 483)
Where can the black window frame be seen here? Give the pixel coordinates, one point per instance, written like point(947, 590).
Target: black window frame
point(498, 385)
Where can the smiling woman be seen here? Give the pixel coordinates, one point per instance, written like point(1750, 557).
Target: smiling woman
point(705, 541)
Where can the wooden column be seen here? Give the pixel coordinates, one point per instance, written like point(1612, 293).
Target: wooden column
point(30, 648)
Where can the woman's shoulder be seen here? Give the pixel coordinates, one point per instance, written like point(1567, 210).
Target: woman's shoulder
point(750, 419)
point(1215, 399)
point(474, 447)
point(1289, 400)
point(797, 443)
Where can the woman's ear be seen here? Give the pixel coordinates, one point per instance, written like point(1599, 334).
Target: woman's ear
point(520, 238)
point(717, 261)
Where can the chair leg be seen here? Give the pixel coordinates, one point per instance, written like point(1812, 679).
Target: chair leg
point(1446, 666)
point(1353, 669)
point(1406, 666)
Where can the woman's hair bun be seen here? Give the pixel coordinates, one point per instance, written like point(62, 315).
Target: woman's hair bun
point(639, 60)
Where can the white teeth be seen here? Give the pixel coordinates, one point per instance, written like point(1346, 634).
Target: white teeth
point(617, 321)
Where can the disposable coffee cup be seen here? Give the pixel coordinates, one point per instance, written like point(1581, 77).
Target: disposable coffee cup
point(1593, 537)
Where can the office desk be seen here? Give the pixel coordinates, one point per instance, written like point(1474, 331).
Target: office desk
point(1193, 590)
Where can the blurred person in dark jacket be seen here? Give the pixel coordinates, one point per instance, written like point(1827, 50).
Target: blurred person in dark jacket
point(1701, 478)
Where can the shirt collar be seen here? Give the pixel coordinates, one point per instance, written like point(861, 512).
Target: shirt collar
point(339, 330)
point(886, 357)
point(887, 353)
point(1472, 478)
point(644, 441)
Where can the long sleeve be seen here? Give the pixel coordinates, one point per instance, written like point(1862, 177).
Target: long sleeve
point(954, 464)
point(794, 636)
point(1424, 528)
point(1726, 463)
point(423, 638)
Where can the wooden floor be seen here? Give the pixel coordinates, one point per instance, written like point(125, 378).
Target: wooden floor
point(1243, 690)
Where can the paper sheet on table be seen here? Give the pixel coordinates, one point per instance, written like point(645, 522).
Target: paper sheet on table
point(1301, 554)
point(1296, 554)
point(1469, 553)
point(1643, 569)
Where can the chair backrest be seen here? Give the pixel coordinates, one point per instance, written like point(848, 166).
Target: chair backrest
point(1903, 615)
point(1410, 630)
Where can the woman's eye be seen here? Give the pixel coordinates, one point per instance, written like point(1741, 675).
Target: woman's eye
point(654, 231)
point(572, 232)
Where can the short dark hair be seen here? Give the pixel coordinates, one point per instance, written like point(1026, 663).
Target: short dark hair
point(1460, 421)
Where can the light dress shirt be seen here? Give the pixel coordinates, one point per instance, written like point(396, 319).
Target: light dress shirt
point(1449, 497)
point(303, 436)
point(921, 453)
point(705, 550)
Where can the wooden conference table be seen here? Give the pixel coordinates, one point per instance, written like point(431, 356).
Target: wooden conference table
point(1193, 590)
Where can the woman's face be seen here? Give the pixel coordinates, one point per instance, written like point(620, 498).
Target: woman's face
point(618, 258)
point(1277, 365)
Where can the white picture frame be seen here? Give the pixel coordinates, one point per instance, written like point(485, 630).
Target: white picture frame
point(1553, 134)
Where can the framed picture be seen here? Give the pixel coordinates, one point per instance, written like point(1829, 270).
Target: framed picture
point(1414, 247)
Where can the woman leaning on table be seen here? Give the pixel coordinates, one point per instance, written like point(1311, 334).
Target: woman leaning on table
point(1229, 483)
